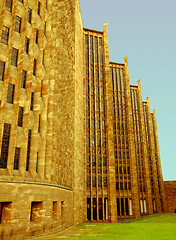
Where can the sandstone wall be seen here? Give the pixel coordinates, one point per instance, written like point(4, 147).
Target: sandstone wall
point(48, 195)
point(17, 221)
point(170, 192)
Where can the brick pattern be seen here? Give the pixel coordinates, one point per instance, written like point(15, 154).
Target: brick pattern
point(48, 88)
point(47, 146)
point(170, 191)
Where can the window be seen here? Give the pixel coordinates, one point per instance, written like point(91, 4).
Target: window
point(23, 79)
point(2, 69)
point(16, 158)
point(88, 181)
point(29, 15)
point(93, 181)
point(10, 93)
point(32, 101)
point(62, 208)
point(45, 29)
point(43, 57)
point(5, 212)
point(8, 5)
point(37, 163)
point(38, 10)
point(36, 36)
point(99, 181)
point(34, 67)
point(5, 145)
point(14, 58)
point(20, 116)
point(41, 88)
point(105, 181)
point(39, 123)
point(5, 35)
point(36, 211)
point(28, 150)
point(17, 24)
point(26, 45)
point(55, 206)
point(46, 4)
point(104, 162)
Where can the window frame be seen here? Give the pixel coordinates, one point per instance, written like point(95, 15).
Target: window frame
point(17, 27)
point(2, 70)
point(10, 93)
point(29, 15)
point(26, 45)
point(5, 35)
point(8, 5)
point(14, 57)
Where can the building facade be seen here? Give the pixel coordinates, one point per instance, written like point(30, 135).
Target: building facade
point(77, 143)
point(170, 191)
point(122, 153)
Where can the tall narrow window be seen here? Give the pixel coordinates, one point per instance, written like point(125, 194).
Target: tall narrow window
point(100, 51)
point(10, 93)
point(88, 208)
point(17, 24)
point(62, 208)
point(32, 101)
point(20, 116)
point(39, 5)
point(46, 4)
point(45, 29)
point(2, 69)
point(26, 45)
point(105, 181)
point(55, 207)
point(36, 36)
point(39, 123)
point(37, 163)
point(16, 158)
point(8, 5)
point(14, 58)
point(94, 209)
point(34, 67)
point(93, 181)
point(28, 150)
point(23, 79)
point(41, 88)
point(5, 35)
point(43, 57)
point(29, 15)
point(5, 145)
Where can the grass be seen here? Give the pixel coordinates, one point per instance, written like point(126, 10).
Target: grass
point(153, 227)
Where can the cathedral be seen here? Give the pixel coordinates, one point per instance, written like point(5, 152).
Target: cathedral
point(77, 143)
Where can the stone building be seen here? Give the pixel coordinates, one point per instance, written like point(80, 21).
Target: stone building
point(76, 141)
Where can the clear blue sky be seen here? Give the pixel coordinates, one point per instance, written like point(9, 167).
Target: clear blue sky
point(145, 31)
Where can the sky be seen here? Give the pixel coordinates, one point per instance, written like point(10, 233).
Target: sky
point(145, 32)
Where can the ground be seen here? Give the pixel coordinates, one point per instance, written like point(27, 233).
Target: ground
point(153, 227)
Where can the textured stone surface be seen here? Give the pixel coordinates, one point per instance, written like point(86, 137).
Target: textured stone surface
point(47, 190)
point(56, 164)
point(170, 191)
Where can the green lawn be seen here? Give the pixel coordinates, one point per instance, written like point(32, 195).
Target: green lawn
point(153, 227)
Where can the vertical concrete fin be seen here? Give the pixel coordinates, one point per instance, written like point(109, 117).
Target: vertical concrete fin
point(109, 126)
point(135, 192)
point(160, 175)
point(152, 157)
point(145, 149)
